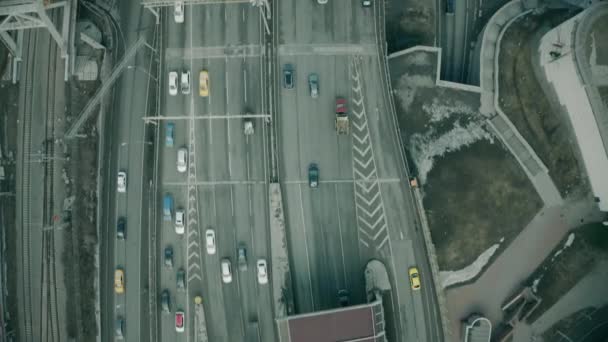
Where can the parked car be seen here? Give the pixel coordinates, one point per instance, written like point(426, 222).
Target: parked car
point(119, 281)
point(121, 228)
point(182, 159)
point(262, 271)
point(121, 181)
point(179, 321)
point(226, 269)
point(165, 301)
point(181, 279)
point(241, 257)
point(119, 328)
point(178, 12)
point(185, 82)
point(313, 85)
point(180, 216)
point(203, 83)
point(210, 241)
point(173, 83)
point(414, 278)
point(288, 76)
point(169, 256)
point(313, 175)
point(169, 132)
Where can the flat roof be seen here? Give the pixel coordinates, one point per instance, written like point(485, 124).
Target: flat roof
point(361, 323)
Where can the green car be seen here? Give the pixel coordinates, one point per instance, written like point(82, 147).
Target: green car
point(313, 175)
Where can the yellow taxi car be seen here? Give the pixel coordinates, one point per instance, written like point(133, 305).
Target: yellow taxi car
point(203, 83)
point(119, 281)
point(414, 278)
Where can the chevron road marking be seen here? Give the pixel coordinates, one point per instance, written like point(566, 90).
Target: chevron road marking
point(193, 255)
point(365, 177)
point(362, 127)
point(362, 142)
point(359, 114)
point(380, 231)
point(193, 265)
point(372, 200)
point(373, 213)
point(193, 243)
point(372, 226)
point(364, 152)
point(191, 232)
point(358, 102)
point(364, 243)
point(363, 165)
point(366, 234)
point(364, 188)
point(382, 243)
point(357, 89)
point(194, 276)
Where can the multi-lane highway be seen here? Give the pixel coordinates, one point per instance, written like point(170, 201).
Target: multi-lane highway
point(362, 209)
point(225, 185)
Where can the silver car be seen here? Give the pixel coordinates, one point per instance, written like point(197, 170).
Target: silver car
point(182, 159)
point(313, 84)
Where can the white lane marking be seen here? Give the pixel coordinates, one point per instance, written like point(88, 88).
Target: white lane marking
point(312, 299)
point(245, 84)
point(340, 232)
point(243, 14)
point(231, 201)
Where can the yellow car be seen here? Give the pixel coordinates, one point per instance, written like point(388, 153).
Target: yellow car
point(119, 281)
point(414, 278)
point(203, 83)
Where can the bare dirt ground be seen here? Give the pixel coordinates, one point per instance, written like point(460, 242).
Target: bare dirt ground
point(564, 267)
point(588, 325)
point(81, 236)
point(475, 193)
point(9, 95)
point(409, 23)
point(544, 126)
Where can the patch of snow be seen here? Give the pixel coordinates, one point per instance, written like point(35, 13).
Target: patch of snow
point(535, 284)
point(426, 147)
point(407, 86)
point(502, 239)
point(441, 110)
point(569, 241)
point(419, 59)
point(448, 278)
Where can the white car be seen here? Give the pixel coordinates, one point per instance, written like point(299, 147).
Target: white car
point(185, 84)
point(322, 2)
point(179, 222)
point(262, 272)
point(121, 183)
point(210, 241)
point(173, 83)
point(226, 271)
point(182, 159)
point(179, 12)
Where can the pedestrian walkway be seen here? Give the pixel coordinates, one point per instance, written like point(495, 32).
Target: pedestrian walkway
point(497, 120)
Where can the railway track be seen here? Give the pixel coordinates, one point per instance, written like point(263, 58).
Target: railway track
point(24, 187)
point(49, 323)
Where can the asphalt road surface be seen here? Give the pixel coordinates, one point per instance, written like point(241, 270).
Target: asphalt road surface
point(363, 207)
point(225, 185)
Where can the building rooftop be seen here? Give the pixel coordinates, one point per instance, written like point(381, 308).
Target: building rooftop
point(361, 323)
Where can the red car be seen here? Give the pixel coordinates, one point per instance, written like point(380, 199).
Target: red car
point(340, 105)
point(179, 321)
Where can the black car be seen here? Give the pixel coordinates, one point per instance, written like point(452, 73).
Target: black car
point(181, 279)
point(165, 301)
point(313, 175)
point(121, 228)
point(288, 76)
point(169, 256)
point(120, 328)
point(241, 257)
point(343, 297)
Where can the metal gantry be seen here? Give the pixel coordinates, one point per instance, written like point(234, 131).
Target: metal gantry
point(19, 15)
